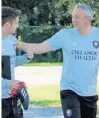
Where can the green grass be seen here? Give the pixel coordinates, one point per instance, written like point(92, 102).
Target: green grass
point(43, 64)
point(45, 95)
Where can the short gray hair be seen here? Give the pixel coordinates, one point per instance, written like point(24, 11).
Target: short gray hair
point(87, 9)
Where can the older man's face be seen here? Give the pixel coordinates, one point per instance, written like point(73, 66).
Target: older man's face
point(78, 18)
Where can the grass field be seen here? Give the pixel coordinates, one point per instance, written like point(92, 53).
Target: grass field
point(43, 64)
point(47, 95)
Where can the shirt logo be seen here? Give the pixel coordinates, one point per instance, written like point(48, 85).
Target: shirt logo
point(96, 44)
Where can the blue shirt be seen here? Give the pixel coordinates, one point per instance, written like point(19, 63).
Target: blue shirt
point(80, 60)
point(9, 49)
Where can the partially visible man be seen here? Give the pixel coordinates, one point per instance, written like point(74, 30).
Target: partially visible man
point(80, 46)
point(10, 22)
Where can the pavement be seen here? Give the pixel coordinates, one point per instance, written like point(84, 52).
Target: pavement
point(37, 76)
point(44, 112)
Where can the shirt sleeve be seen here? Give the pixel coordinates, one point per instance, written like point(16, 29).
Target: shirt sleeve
point(5, 86)
point(5, 83)
point(57, 40)
point(20, 60)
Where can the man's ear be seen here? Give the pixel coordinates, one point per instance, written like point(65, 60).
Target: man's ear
point(87, 19)
point(7, 25)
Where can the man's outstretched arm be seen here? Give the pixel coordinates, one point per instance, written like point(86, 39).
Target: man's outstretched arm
point(35, 48)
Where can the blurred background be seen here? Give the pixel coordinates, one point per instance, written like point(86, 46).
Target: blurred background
point(40, 19)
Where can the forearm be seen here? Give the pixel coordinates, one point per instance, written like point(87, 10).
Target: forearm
point(20, 60)
point(34, 47)
point(28, 46)
point(37, 48)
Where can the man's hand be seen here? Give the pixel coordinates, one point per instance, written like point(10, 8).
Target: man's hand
point(26, 48)
point(22, 94)
point(14, 84)
point(30, 55)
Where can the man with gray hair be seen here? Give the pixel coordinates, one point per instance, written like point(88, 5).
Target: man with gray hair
point(87, 10)
point(80, 46)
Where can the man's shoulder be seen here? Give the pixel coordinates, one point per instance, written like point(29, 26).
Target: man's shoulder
point(66, 30)
point(12, 37)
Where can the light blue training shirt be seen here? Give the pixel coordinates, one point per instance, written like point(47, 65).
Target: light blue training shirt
point(80, 59)
point(9, 49)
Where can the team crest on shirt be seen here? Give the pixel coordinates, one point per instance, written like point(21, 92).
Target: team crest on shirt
point(95, 44)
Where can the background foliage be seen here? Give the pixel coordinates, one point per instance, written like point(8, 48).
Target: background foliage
point(40, 19)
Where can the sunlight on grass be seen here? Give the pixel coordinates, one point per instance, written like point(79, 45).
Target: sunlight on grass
point(45, 95)
point(43, 64)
